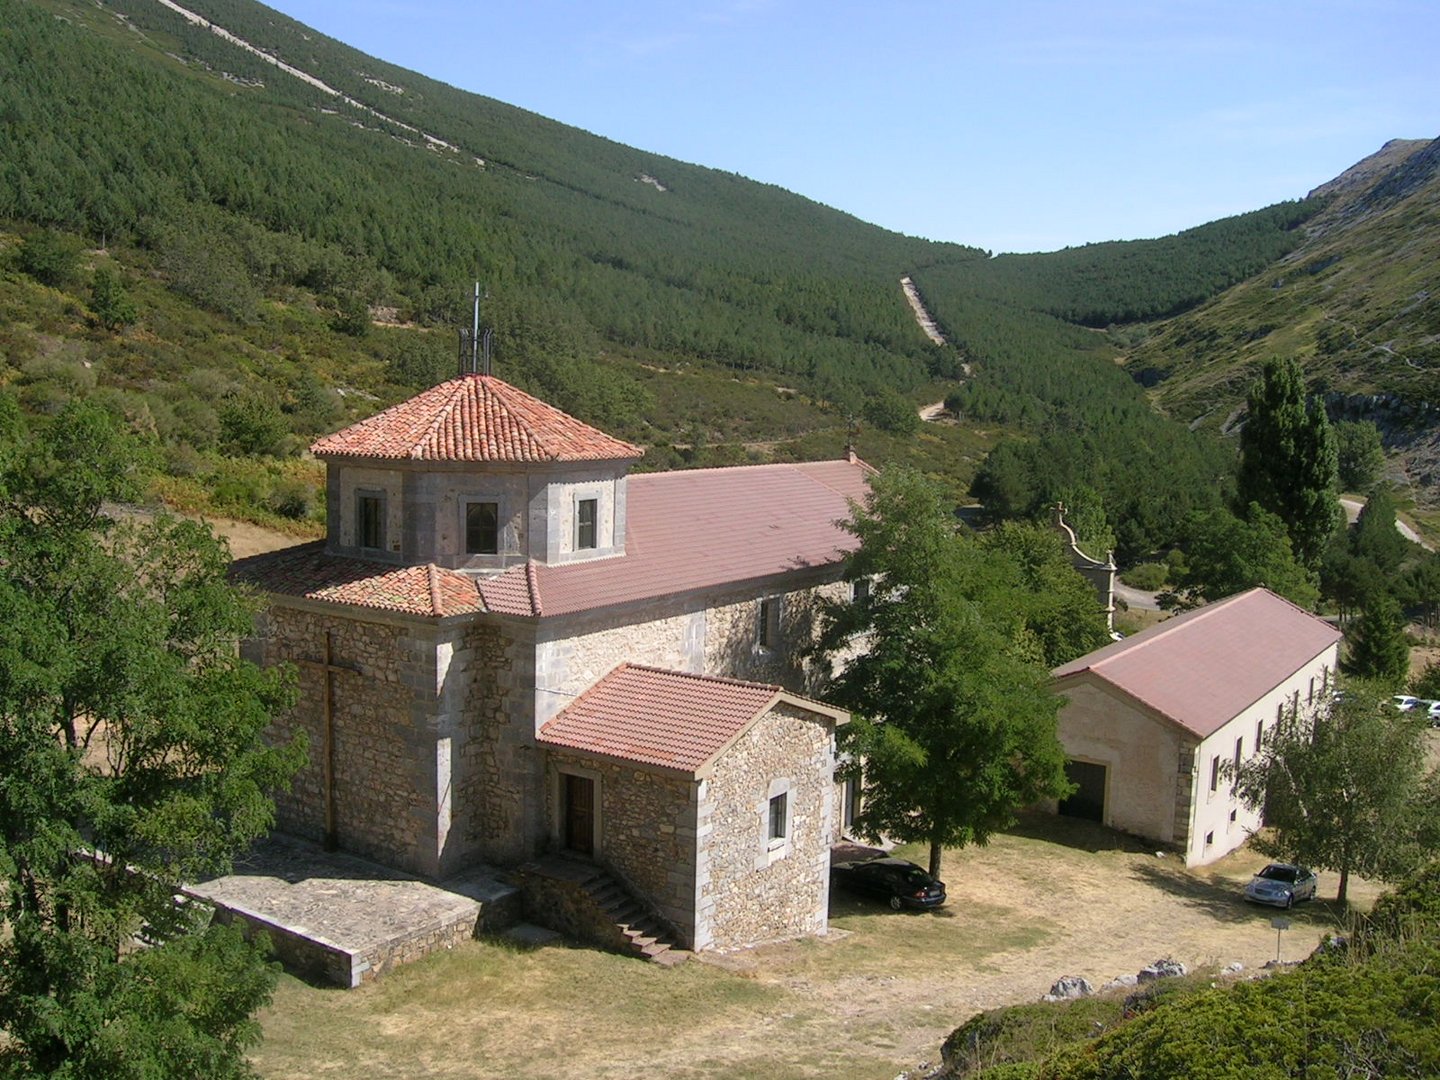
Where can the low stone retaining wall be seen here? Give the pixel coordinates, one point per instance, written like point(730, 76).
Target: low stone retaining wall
point(335, 919)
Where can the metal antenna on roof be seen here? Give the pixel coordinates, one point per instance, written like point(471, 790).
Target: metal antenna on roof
point(472, 342)
point(475, 333)
point(485, 341)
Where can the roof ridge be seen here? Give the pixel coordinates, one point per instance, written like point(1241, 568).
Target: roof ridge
point(1171, 626)
point(532, 583)
point(794, 466)
point(452, 401)
point(700, 676)
point(492, 386)
point(433, 574)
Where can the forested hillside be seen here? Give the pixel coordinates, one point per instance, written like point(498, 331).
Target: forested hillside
point(1354, 304)
point(237, 258)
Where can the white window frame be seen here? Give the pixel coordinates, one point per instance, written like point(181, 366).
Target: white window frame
point(774, 848)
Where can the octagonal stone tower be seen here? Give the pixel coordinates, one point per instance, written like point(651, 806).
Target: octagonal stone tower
point(475, 475)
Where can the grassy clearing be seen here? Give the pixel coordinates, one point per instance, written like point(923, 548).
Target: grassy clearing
point(880, 994)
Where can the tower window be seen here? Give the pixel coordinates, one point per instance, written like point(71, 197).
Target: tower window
point(482, 528)
point(370, 521)
point(585, 518)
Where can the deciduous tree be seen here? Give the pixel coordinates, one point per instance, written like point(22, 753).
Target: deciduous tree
point(954, 723)
point(1341, 790)
point(1226, 555)
point(113, 307)
point(132, 760)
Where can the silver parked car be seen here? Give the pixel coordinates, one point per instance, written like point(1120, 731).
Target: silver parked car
point(1282, 884)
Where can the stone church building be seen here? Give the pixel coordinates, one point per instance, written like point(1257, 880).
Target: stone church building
point(510, 646)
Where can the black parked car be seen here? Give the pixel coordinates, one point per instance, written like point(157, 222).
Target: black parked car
point(900, 882)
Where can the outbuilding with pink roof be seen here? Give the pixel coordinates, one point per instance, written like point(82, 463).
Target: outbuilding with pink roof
point(1151, 721)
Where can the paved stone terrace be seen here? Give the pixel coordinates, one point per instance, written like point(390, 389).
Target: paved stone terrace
point(339, 919)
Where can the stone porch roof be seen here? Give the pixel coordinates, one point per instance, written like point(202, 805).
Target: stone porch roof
point(305, 571)
point(670, 719)
point(1204, 668)
point(474, 418)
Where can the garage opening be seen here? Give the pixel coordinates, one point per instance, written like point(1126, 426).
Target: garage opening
point(1088, 802)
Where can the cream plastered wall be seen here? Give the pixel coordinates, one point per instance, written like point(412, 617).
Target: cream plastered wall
point(1213, 832)
point(1143, 756)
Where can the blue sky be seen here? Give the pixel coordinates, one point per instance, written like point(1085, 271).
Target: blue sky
point(1018, 125)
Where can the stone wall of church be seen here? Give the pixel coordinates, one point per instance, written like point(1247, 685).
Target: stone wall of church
point(498, 797)
point(645, 829)
point(384, 762)
point(719, 639)
point(753, 887)
point(732, 637)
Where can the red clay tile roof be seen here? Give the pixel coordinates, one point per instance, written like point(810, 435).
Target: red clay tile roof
point(474, 418)
point(306, 571)
point(1205, 667)
point(658, 717)
point(699, 529)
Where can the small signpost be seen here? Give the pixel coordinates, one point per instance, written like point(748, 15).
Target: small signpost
point(1281, 924)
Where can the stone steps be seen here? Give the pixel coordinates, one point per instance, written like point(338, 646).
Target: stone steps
point(630, 927)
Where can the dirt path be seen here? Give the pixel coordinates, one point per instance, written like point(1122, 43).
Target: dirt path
point(923, 317)
point(1137, 599)
point(1352, 515)
point(246, 538)
point(932, 412)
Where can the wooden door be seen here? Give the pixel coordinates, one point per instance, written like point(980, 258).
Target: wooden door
point(580, 814)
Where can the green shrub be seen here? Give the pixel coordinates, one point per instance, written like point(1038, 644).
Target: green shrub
point(293, 498)
point(109, 301)
point(1149, 576)
point(1026, 1033)
point(1411, 908)
point(1427, 683)
point(50, 257)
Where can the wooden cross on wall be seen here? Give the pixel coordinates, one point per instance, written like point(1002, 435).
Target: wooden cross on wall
point(328, 666)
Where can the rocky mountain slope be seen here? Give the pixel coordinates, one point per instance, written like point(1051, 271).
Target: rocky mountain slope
point(1357, 302)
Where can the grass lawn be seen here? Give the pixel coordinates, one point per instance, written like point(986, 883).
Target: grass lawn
point(1052, 897)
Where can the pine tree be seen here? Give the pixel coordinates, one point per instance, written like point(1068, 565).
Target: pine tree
point(1378, 650)
point(1288, 460)
point(112, 306)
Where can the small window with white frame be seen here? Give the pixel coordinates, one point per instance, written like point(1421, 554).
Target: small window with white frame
point(777, 821)
point(587, 524)
point(779, 817)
